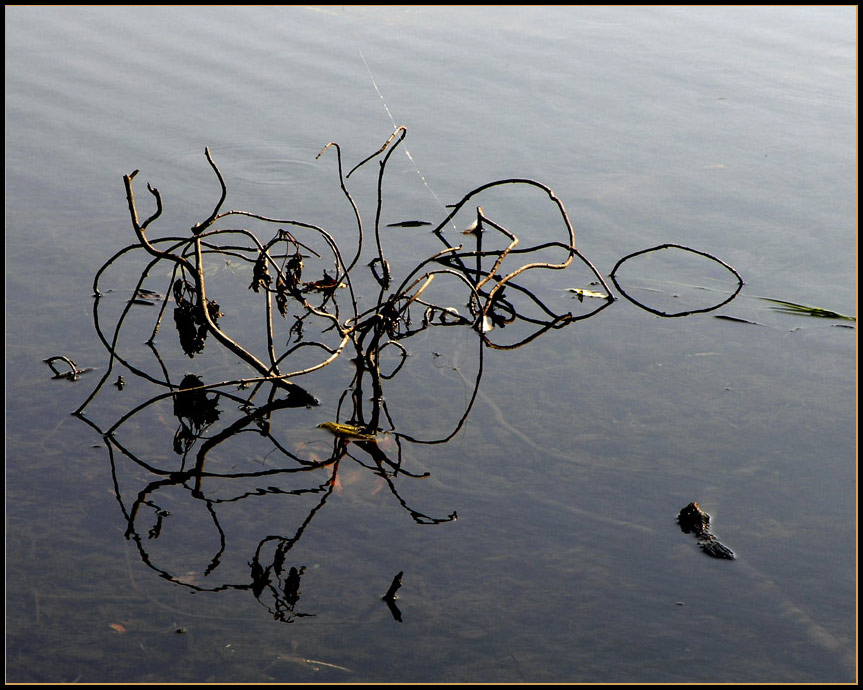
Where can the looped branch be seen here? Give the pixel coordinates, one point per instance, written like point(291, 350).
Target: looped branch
point(728, 267)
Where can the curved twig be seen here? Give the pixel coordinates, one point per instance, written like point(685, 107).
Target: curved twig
point(198, 228)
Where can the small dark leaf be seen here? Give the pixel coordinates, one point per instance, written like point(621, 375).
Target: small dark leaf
point(261, 275)
point(409, 224)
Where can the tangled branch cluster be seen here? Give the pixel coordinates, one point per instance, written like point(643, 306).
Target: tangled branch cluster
point(306, 281)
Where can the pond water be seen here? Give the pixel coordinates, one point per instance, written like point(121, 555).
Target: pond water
point(728, 130)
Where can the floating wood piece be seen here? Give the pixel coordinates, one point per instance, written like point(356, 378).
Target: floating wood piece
point(692, 519)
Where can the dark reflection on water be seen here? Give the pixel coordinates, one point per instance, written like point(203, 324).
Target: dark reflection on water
point(219, 419)
point(213, 417)
point(726, 132)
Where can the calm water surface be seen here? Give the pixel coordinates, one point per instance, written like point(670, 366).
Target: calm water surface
point(728, 130)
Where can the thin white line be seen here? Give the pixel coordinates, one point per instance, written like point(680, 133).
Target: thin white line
point(395, 126)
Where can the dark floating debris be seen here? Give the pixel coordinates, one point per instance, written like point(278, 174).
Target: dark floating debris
point(737, 319)
point(390, 597)
point(409, 224)
point(692, 519)
point(394, 587)
point(145, 297)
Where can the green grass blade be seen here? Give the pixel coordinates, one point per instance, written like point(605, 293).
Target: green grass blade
point(803, 310)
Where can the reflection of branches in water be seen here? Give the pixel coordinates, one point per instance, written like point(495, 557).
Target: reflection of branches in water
point(299, 273)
